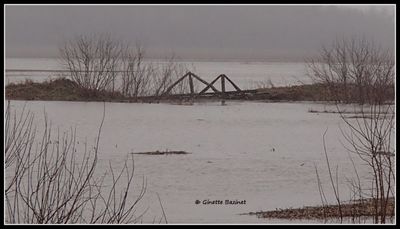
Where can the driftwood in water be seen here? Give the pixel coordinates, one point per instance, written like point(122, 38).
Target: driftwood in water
point(162, 152)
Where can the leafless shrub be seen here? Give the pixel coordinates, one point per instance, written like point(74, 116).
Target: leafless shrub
point(93, 60)
point(358, 195)
point(136, 75)
point(53, 181)
point(167, 74)
point(143, 78)
point(358, 71)
point(100, 63)
point(334, 181)
point(18, 142)
point(355, 71)
point(321, 194)
point(370, 138)
point(19, 133)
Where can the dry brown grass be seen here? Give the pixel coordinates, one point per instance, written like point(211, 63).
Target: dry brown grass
point(353, 209)
point(61, 89)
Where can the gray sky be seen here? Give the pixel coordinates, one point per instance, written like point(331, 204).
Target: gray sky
point(206, 32)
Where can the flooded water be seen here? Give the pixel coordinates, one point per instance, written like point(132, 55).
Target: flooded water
point(260, 154)
point(246, 75)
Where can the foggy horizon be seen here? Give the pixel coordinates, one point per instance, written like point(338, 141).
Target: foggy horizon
point(262, 32)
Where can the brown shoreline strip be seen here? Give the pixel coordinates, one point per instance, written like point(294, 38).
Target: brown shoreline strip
point(354, 209)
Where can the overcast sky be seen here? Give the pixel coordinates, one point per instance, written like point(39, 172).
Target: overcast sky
point(206, 32)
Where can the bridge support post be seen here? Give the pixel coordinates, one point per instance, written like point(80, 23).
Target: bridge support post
point(223, 90)
point(191, 85)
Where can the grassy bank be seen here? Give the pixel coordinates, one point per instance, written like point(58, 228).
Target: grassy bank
point(307, 92)
point(59, 90)
point(66, 90)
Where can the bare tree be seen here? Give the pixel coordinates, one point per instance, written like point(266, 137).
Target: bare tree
point(136, 75)
point(355, 71)
point(359, 71)
point(94, 63)
point(167, 74)
point(370, 136)
point(50, 180)
point(18, 142)
point(93, 60)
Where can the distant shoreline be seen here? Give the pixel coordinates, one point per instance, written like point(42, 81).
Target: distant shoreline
point(63, 89)
point(245, 60)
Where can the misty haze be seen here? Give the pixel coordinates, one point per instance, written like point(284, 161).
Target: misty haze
point(206, 32)
point(206, 114)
